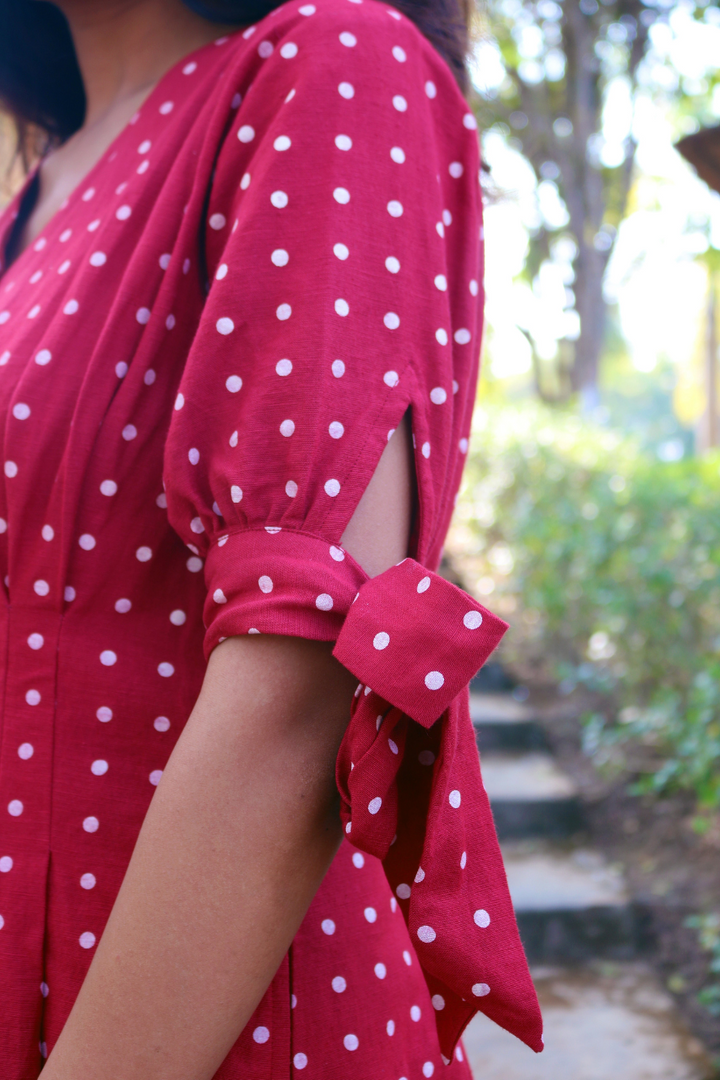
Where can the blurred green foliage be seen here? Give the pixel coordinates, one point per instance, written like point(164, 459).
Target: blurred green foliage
point(708, 928)
point(606, 562)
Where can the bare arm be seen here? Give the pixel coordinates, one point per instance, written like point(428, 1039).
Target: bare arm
point(239, 835)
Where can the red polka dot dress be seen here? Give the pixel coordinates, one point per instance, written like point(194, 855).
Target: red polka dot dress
point(202, 357)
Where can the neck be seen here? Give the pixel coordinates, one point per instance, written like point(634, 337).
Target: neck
point(125, 46)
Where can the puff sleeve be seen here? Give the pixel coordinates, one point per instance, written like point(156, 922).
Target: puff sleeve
point(343, 262)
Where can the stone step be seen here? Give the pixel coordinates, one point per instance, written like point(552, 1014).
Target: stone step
point(501, 723)
point(608, 1022)
point(530, 796)
point(572, 906)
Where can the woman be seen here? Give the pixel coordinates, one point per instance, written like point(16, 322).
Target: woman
point(239, 315)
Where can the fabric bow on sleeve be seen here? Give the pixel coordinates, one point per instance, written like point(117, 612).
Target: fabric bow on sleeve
point(412, 795)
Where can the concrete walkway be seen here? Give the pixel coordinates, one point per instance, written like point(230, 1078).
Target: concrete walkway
point(606, 1015)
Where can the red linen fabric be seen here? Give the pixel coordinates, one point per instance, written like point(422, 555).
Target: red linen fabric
point(207, 348)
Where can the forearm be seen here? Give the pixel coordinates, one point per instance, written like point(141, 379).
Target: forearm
point(240, 832)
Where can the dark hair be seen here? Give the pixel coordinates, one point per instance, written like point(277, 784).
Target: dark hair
point(42, 89)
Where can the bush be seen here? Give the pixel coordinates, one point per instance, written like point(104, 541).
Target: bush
point(606, 562)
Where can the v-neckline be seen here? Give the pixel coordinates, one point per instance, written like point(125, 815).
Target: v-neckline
point(15, 207)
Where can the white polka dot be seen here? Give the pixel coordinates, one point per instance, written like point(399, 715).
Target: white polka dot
point(33, 697)
point(87, 940)
point(332, 488)
point(440, 228)
point(374, 805)
point(6, 864)
point(284, 312)
point(370, 914)
point(358, 859)
point(447, 217)
point(91, 824)
point(395, 208)
point(343, 142)
point(428, 1068)
point(392, 264)
point(41, 587)
point(455, 798)
point(291, 489)
point(426, 934)
point(473, 287)
point(33, 311)
point(300, 1060)
point(265, 49)
point(381, 640)
point(481, 989)
point(307, 9)
point(279, 199)
point(348, 39)
point(342, 308)
point(351, 1042)
point(233, 383)
point(392, 321)
point(481, 918)
point(459, 1053)
point(438, 396)
point(341, 195)
point(99, 767)
point(5, 356)
point(463, 860)
point(15, 808)
point(123, 606)
point(71, 307)
point(194, 564)
point(261, 1035)
point(236, 493)
point(390, 1027)
point(161, 723)
point(26, 751)
point(143, 554)
point(441, 336)
point(399, 54)
point(407, 958)
point(129, 432)
point(283, 367)
point(108, 658)
point(403, 891)
point(425, 449)
point(391, 378)
point(155, 777)
point(150, 375)
point(104, 714)
point(462, 336)
point(98, 258)
point(36, 641)
point(287, 428)
point(346, 90)
point(21, 411)
point(397, 154)
point(219, 597)
point(282, 143)
point(217, 221)
point(328, 927)
point(455, 169)
point(472, 620)
point(469, 122)
point(246, 133)
point(289, 50)
point(430, 89)
point(399, 103)
point(11, 469)
point(43, 357)
point(225, 326)
point(415, 1013)
point(280, 257)
point(463, 445)
point(265, 583)
point(324, 602)
point(339, 985)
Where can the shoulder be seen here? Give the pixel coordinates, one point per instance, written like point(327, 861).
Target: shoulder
point(322, 36)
